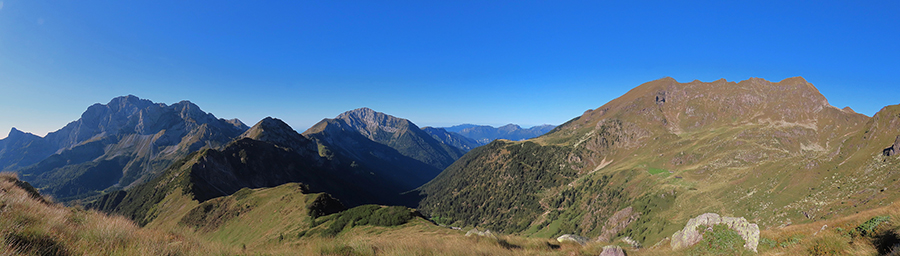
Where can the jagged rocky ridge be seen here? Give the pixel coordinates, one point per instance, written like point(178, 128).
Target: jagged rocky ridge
point(113, 145)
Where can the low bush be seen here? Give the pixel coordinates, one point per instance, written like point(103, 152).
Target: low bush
point(374, 215)
point(722, 240)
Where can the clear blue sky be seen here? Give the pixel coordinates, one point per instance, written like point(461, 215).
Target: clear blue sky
point(434, 62)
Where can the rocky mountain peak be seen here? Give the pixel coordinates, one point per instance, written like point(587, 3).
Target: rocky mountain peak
point(370, 122)
point(128, 102)
point(268, 127)
point(190, 111)
point(13, 133)
point(359, 112)
point(276, 131)
point(237, 123)
point(509, 127)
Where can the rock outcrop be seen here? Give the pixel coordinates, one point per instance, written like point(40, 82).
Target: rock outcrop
point(690, 235)
point(628, 240)
point(893, 149)
point(617, 223)
point(485, 233)
point(612, 250)
point(572, 238)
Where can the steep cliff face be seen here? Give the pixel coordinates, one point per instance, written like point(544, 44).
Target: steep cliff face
point(775, 153)
point(116, 145)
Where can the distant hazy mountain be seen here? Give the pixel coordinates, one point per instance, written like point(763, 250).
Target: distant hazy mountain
point(484, 134)
point(116, 144)
point(20, 149)
point(451, 138)
point(392, 147)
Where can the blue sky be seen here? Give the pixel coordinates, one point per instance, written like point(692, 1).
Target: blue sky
point(436, 63)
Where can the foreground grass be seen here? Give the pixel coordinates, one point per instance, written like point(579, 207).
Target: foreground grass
point(29, 225)
point(420, 237)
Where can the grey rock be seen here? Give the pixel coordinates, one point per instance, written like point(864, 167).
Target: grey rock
point(689, 235)
point(612, 250)
point(485, 233)
point(572, 238)
point(628, 240)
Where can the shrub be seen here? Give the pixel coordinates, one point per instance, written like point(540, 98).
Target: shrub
point(369, 215)
point(828, 245)
point(720, 241)
point(867, 228)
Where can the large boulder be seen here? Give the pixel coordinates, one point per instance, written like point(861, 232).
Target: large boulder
point(612, 250)
point(689, 235)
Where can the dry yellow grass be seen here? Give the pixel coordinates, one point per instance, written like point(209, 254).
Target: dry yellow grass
point(29, 226)
point(422, 238)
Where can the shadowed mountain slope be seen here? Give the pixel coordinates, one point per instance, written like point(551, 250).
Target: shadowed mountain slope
point(775, 153)
point(390, 147)
point(269, 154)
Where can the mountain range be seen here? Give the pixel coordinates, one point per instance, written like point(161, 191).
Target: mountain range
point(484, 134)
point(631, 172)
point(130, 141)
point(113, 145)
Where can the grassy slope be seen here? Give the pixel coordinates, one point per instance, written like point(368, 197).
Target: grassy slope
point(29, 226)
point(772, 163)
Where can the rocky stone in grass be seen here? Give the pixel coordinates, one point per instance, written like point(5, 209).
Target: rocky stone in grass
point(612, 250)
point(485, 233)
point(690, 235)
point(628, 240)
point(572, 238)
point(617, 223)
